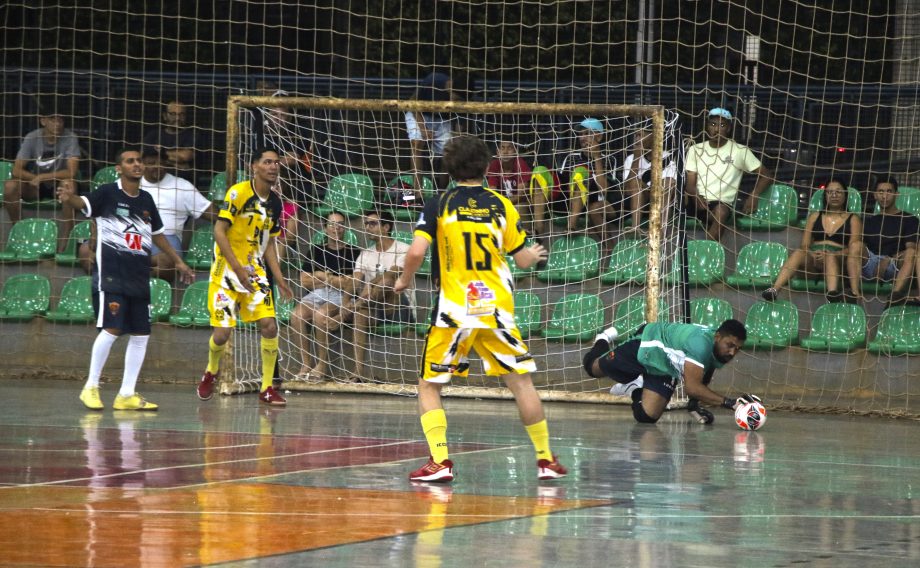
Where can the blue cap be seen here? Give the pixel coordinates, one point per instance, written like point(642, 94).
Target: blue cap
point(718, 111)
point(592, 124)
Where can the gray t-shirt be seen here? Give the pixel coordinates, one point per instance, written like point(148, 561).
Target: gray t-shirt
point(44, 157)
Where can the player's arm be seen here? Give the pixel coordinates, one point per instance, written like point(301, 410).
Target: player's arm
point(271, 259)
point(67, 195)
point(695, 387)
point(223, 243)
point(187, 274)
point(20, 172)
point(414, 258)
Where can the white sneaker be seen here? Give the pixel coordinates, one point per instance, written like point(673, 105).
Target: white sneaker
point(609, 335)
point(626, 389)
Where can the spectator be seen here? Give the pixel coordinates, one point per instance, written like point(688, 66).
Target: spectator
point(376, 270)
point(284, 128)
point(429, 132)
point(588, 170)
point(510, 175)
point(47, 156)
point(290, 217)
point(830, 235)
point(714, 171)
point(175, 141)
point(637, 175)
point(178, 201)
point(328, 275)
point(889, 247)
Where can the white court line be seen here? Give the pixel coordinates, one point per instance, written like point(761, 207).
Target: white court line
point(198, 465)
point(84, 450)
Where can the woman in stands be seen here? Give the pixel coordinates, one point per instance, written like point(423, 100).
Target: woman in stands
point(830, 236)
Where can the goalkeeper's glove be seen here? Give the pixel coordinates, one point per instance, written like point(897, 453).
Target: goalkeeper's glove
point(732, 404)
point(698, 413)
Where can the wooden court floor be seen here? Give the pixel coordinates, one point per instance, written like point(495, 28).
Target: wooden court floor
point(323, 483)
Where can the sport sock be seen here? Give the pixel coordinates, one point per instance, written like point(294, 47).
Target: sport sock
point(434, 425)
point(215, 352)
point(101, 348)
point(539, 435)
point(269, 357)
point(134, 360)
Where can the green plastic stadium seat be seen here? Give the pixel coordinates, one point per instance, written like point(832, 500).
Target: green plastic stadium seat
point(76, 305)
point(30, 240)
point(200, 253)
point(815, 283)
point(572, 259)
point(772, 325)
point(528, 313)
point(104, 176)
point(628, 262)
point(6, 172)
point(758, 265)
point(70, 255)
point(706, 264)
point(349, 194)
point(218, 188)
point(898, 332)
point(629, 315)
point(160, 299)
point(24, 296)
point(576, 317)
point(816, 203)
point(350, 237)
point(283, 308)
point(876, 288)
point(837, 328)
point(194, 309)
point(710, 312)
point(777, 208)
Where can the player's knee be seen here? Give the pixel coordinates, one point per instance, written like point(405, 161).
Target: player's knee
point(588, 362)
point(641, 416)
point(268, 327)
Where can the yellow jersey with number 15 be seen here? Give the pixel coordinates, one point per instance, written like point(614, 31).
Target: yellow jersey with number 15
point(472, 230)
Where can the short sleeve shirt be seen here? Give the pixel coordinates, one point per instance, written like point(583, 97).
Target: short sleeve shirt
point(125, 226)
point(184, 138)
point(887, 235)
point(665, 348)
point(472, 230)
point(719, 170)
point(339, 262)
point(372, 263)
point(49, 157)
point(509, 183)
point(177, 200)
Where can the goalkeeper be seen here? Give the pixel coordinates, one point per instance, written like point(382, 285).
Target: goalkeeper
point(648, 367)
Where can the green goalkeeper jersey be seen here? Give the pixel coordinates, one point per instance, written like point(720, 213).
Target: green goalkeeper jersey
point(666, 347)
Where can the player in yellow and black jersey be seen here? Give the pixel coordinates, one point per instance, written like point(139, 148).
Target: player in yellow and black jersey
point(473, 229)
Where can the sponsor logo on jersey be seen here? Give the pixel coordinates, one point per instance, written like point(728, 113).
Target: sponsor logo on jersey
point(122, 211)
point(480, 299)
point(133, 237)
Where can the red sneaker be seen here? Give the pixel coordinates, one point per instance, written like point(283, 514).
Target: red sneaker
point(269, 396)
point(550, 469)
point(437, 472)
point(206, 386)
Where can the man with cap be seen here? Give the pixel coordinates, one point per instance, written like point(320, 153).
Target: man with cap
point(586, 171)
point(714, 171)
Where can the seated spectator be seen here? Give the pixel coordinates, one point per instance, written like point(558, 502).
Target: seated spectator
point(429, 132)
point(285, 130)
point(175, 141)
point(47, 156)
point(509, 175)
point(588, 169)
point(376, 270)
point(178, 201)
point(328, 273)
point(830, 235)
point(286, 241)
point(637, 176)
point(714, 170)
point(889, 247)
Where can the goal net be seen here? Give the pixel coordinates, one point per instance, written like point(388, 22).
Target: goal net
point(595, 184)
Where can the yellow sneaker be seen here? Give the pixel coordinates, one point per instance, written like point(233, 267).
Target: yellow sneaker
point(133, 402)
point(89, 396)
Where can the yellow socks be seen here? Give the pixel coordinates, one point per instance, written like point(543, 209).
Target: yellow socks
point(269, 358)
point(434, 424)
point(215, 352)
point(539, 435)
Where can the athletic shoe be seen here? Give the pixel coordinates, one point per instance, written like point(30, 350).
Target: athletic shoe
point(626, 389)
point(550, 469)
point(206, 386)
point(89, 396)
point(769, 294)
point(133, 402)
point(437, 472)
point(269, 396)
point(609, 335)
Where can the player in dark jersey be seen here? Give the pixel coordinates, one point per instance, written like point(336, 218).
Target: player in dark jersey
point(127, 224)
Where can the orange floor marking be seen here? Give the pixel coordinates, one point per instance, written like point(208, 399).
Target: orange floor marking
point(232, 522)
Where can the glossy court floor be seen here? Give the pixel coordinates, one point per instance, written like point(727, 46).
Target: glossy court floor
point(323, 483)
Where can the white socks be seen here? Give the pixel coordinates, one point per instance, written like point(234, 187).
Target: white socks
point(101, 348)
point(134, 359)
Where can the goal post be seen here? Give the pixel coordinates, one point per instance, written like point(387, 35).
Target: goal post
point(373, 129)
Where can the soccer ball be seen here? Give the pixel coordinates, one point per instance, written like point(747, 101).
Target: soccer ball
point(751, 416)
